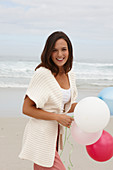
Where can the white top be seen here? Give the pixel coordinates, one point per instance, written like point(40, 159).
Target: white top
point(39, 140)
point(66, 97)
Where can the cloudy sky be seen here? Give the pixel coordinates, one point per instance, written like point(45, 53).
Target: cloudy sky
point(25, 25)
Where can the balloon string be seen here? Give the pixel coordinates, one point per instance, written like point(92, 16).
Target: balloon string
point(71, 149)
point(67, 138)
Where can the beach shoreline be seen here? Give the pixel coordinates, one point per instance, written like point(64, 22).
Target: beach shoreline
point(12, 99)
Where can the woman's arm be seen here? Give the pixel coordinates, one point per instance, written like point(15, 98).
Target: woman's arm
point(72, 108)
point(29, 109)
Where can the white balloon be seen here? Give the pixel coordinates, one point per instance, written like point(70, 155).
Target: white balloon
point(91, 114)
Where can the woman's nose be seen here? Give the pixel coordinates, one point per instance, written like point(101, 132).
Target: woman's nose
point(59, 53)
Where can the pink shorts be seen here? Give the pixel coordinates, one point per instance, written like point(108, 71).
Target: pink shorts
point(58, 165)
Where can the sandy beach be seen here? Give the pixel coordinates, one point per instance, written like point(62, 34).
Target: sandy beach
point(13, 122)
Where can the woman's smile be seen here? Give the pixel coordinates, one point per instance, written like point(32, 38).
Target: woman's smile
point(60, 59)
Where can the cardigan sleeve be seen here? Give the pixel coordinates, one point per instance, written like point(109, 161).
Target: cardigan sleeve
point(38, 88)
point(75, 94)
point(75, 91)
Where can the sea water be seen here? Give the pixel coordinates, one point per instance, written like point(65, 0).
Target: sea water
point(19, 73)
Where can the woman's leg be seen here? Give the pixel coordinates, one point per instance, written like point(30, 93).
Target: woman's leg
point(58, 165)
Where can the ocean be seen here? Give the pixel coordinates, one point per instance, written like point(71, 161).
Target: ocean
point(18, 73)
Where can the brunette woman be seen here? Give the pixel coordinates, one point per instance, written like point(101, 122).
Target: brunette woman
point(51, 94)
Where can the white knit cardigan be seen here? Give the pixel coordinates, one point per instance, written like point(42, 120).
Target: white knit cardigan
point(39, 140)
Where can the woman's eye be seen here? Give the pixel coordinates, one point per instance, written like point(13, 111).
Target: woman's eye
point(54, 50)
point(64, 49)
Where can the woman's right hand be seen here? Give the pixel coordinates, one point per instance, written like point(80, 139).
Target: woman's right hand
point(64, 120)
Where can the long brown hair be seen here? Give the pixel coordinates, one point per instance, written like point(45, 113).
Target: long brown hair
point(46, 60)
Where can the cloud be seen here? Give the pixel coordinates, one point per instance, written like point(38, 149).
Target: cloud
point(34, 16)
point(85, 21)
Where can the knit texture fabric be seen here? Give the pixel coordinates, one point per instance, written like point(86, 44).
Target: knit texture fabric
point(39, 140)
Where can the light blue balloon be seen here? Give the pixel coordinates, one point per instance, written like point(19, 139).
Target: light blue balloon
point(107, 96)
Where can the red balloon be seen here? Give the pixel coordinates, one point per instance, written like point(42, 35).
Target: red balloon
point(102, 150)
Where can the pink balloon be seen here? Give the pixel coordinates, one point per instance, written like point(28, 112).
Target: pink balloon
point(102, 150)
point(84, 138)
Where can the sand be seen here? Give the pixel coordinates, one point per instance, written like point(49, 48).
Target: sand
point(12, 124)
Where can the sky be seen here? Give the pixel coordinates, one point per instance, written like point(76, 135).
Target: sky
point(26, 24)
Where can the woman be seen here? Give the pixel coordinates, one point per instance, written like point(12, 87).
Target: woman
point(51, 94)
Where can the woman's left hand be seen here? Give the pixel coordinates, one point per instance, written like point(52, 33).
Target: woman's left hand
point(64, 120)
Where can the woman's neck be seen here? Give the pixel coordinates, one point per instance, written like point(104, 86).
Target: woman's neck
point(61, 71)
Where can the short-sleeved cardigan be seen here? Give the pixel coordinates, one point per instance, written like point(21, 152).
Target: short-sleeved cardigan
point(39, 140)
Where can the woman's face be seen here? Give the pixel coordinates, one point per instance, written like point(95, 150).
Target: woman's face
point(60, 53)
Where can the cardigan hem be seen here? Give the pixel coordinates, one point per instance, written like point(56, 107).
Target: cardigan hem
point(36, 162)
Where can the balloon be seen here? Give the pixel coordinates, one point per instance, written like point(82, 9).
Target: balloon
point(107, 96)
point(91, 114)
point(102, 150)
point(82, 137)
